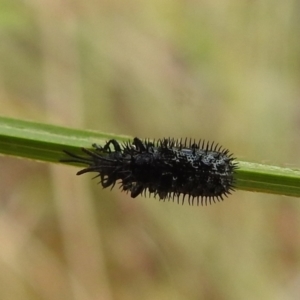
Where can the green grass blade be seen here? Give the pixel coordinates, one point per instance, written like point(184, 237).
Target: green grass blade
point(46, 143)
point(268, 179)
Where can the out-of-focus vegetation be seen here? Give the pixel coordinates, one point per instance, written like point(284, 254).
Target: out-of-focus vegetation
point(220, 70)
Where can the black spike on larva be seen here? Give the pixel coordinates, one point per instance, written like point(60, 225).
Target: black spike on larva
point(180, 144)
point(166, 168)
point(193, 199)
point(207, 197)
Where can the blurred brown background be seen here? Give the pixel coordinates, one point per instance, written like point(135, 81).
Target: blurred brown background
point(227, 71)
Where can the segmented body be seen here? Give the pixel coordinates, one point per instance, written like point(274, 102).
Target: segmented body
point(167, 168)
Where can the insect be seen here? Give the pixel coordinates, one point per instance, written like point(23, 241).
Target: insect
point(167, 168)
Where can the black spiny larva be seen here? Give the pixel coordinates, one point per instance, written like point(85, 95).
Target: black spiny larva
point(167, 168)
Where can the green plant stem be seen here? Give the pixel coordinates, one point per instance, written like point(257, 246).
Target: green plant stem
point(46, 143)
point(268, 179)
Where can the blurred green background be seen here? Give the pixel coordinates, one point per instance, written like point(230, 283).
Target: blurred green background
point(225, 71)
